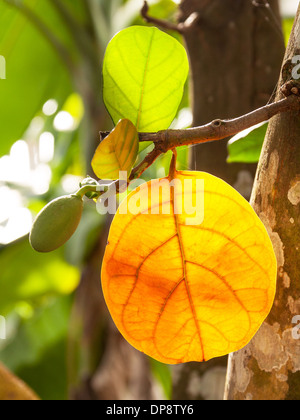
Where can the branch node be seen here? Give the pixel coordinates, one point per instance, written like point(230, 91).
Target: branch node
point(103, 135)
point(217, 123)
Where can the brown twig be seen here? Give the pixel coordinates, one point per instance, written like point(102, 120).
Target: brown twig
point(146, 163)
point(178, 27)
point(216, 130)
point(219, 129)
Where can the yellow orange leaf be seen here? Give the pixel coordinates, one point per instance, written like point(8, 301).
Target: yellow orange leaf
point(117, 152)
point(181, 291)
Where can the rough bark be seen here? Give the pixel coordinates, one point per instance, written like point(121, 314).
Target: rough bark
point(269, 367)
point(233, 71)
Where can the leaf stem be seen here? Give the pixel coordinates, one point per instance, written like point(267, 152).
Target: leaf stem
point(97, 189)
point(172, 171)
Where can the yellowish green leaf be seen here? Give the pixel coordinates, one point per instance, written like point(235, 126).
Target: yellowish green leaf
point(144, 74)
point(117, 152)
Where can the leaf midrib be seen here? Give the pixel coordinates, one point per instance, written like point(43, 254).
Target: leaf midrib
point(144, 81)
point(184, 261)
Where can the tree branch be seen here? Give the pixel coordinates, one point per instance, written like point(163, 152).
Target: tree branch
point(145, 164)
point(180, 27)
point(216, 130)
point(219, 129)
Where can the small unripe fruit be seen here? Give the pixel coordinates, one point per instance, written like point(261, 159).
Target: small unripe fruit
point(56, 223)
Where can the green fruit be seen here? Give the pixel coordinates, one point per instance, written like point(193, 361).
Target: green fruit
point(56, 223)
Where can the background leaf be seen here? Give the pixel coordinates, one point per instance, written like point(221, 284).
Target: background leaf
point(144, 73)
point(246, 146)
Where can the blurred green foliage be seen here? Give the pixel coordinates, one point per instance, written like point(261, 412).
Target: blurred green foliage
point(34, 72)
point(37, 353)
point(246, 148)
point(35, 276)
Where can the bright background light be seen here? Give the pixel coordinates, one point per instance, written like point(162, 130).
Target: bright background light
point(289, 7)
point(46, 147)
point(50, 107)
point(25, 172)
point(64, 121)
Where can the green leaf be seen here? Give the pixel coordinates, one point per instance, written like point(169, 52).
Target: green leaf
point(117, 152)
point(144, 73)
point(246, 146)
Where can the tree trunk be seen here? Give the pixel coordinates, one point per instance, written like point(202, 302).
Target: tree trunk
point(268, 368)
point(233, 71)
point(233, 68)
